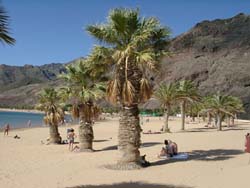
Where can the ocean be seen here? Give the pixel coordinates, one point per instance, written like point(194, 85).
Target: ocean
point(21, 119)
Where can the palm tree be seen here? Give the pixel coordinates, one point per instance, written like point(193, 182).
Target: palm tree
point(4, 29)
point(220, 105)
point(54, 114)
point(82, 92)
point(166, 94)
point(187, 93)
point(132, 48)
point(194, 110)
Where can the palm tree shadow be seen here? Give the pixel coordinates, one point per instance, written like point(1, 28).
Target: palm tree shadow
point(130, 185)
point(101, 140)
point(204, 155)
point(146, 144)
point(206, 129)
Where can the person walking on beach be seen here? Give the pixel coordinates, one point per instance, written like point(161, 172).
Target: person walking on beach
point(247, 143)
point(6, 129)
point(71, 136)
point(29, 123)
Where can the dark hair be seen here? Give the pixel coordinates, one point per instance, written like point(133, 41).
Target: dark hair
point(166, 142)
point(247, 134)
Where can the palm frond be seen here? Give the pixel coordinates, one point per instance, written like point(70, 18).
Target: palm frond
point(113, 90)
point(145, 89)
point(4, 28)
point(128, 92)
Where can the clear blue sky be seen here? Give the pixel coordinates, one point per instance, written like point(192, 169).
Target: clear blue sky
point(53, 30)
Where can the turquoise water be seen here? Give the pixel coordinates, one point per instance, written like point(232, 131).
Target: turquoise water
point(20, 119)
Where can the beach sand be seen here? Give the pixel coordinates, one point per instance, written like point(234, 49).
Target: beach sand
point(216, 159)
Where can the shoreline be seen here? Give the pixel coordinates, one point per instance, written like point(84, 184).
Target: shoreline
point(20, 110)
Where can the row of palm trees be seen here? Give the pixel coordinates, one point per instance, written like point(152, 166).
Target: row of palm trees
point(186, 94)
point(120, 68)
point(130, 48)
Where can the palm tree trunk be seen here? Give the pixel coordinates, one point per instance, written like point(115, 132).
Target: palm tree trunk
point(209, 118)
point(182, 115)
point(219, 118)
point(86, 136)
point(55, 137)
point(166, 129)
point(86, 133)
point(232, 120)
point(129, 135)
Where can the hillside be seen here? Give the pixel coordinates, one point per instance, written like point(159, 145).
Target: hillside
point(214, 54)
point(20, 85)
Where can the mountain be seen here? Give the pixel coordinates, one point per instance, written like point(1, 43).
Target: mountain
point(214, 54)
point(20, 85)
point(14, 77)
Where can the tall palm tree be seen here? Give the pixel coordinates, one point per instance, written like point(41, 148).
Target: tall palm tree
point(132, 47)
point(82, 92)
point(187, 93)
point(220, 105)
point(166, 94)
point(4, 29)
point(54, 114)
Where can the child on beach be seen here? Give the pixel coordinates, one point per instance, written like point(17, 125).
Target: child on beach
point(71, 136)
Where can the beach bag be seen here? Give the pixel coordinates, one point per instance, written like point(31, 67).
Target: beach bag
point(144, 162)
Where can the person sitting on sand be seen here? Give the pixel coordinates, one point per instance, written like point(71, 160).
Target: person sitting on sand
point(6, 129)
point(169, 150)
point(71, 136)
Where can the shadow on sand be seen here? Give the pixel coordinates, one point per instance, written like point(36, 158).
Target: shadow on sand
point(130, 185)
point(204, 155)
point(209, 129)
point(101, 140)
point(146, 144)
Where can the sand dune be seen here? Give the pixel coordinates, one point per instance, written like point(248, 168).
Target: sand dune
point(216, 159)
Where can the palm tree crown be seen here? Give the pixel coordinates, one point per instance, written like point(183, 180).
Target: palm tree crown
point(133, 46)
point(49, 103)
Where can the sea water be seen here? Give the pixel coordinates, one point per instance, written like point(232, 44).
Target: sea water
point(21, 119)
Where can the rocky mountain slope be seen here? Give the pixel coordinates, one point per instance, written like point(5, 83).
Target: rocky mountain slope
point(215, 55)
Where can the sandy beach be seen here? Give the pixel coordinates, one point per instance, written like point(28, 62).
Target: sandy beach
point(216, 159)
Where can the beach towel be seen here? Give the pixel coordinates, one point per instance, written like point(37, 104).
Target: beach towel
point(179, 156)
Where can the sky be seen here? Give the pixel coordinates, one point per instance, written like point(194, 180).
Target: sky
point(53, 31)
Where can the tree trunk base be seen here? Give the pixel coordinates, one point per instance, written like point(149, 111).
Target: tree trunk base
point(86, 150)
point(124, 166)
point(167, 130)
